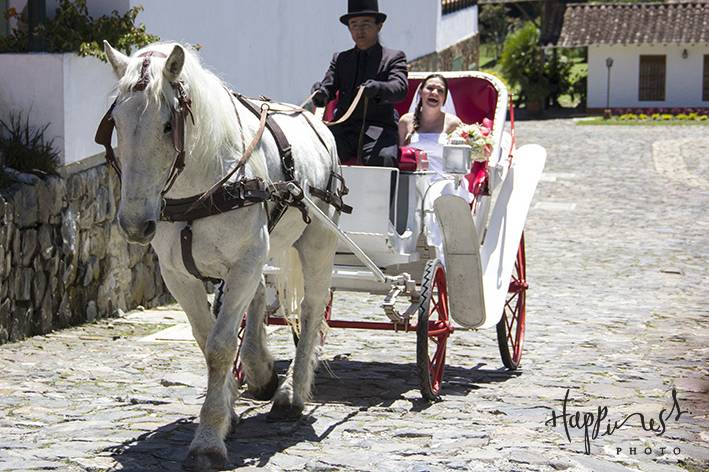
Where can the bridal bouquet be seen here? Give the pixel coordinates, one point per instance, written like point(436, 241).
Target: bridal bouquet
point(477, 136)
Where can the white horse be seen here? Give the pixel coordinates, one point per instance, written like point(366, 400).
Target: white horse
point(232, 246)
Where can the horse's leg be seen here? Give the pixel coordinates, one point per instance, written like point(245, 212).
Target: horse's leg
point(256, 359)
point(192, 297)
point(316, 248)
point(208, 448)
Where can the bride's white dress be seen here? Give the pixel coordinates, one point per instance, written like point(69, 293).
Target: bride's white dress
point(440, 183)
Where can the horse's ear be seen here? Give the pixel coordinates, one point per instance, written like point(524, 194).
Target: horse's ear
point(174, 63)
point(118, 60)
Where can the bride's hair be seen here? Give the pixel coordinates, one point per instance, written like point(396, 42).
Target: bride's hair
point(419, 105)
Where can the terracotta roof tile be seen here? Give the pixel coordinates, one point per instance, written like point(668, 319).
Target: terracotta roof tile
point(636, 23)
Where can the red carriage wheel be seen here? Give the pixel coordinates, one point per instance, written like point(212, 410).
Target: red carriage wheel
point(432, 330)
point(510, 329)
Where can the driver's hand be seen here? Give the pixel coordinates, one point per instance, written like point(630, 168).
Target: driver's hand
point(320, 98)
point(371, 88)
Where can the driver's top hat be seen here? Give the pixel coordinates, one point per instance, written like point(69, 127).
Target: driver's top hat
point(363, 8)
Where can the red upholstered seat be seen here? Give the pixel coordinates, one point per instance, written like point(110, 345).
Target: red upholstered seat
point(475, 98)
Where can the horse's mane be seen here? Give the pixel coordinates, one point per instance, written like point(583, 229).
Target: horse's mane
point(214, 139)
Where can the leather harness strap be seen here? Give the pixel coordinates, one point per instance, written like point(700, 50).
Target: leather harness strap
point(187, 259)
point(284, 148)
point(226, 198)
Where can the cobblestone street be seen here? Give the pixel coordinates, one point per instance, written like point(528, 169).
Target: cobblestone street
point(617, 248)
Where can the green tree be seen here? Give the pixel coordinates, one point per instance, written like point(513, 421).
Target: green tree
point(493, 25)
point(74, 30)
point(522, 63)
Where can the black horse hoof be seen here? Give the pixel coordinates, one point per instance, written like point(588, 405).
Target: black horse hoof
point(203, 461)
point(284, 413)
point(266, 392)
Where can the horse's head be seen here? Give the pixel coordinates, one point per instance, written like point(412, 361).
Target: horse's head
point(144, 115)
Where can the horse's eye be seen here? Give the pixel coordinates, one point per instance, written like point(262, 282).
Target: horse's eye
point(167, 128)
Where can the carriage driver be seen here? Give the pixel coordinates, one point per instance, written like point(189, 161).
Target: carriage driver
point(370, 134)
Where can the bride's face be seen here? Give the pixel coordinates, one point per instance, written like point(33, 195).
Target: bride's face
point(433, 93)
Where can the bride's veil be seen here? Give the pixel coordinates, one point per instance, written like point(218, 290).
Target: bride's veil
point(448, 107)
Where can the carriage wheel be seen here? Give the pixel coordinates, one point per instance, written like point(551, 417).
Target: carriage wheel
point(432, 330)
point(323, 333)
point(510, 329)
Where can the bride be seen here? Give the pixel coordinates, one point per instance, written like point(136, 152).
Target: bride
point(427, 127)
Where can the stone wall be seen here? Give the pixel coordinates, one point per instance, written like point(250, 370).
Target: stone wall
point(464, 55)
point(63, 260)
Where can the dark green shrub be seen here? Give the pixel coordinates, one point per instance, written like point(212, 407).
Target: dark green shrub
point(557, 70)
point(25, 148)
point(522, 63)
point(73, 30)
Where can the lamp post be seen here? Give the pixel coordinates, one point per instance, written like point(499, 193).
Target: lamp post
point(607, 111)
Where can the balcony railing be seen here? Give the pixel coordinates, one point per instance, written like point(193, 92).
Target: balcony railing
point(450, 6)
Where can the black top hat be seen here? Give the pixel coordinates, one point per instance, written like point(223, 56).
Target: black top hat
point(363, 8)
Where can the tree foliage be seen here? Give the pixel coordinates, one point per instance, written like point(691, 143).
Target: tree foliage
point(74, 30)
point(522, 63)
point(493, 25)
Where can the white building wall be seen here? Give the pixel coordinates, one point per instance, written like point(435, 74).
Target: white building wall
point(683, 79)
point(280, 48)
point(456, 26)
point(67, 92)
point(33, 85)
point(87, 90)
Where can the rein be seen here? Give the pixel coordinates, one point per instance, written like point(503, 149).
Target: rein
point(348, 113)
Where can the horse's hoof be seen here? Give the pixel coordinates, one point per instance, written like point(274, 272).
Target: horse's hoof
point(266, 392)
point(284, 413)
point(205, 460)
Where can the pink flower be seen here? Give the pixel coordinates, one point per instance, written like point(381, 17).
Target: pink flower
point(485, 131)
point(487, 123)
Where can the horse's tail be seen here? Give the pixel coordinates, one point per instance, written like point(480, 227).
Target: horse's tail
point(290, 285)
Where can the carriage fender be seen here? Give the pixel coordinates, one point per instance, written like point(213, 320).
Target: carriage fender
point(506, 225)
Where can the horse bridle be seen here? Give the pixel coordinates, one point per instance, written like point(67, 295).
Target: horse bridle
point(178, 118)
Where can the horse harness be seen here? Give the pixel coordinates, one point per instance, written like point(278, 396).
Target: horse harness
point(227, 195)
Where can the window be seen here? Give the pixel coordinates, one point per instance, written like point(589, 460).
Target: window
point(652, 78)
point(705, 80)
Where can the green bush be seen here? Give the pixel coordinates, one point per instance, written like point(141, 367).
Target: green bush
point(666, 117)
point(578, 82)
point(557, 70)
point(25, 148)
point(681, 116)
point(642, 116)
point(73, 30)
point(522, 63)
point(655, 116)
point(703, 118)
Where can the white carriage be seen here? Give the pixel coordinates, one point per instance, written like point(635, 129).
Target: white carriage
point(382, 247)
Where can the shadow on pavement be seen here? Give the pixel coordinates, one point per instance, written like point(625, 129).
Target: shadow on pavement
point(254, 440)
point(366, 384)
